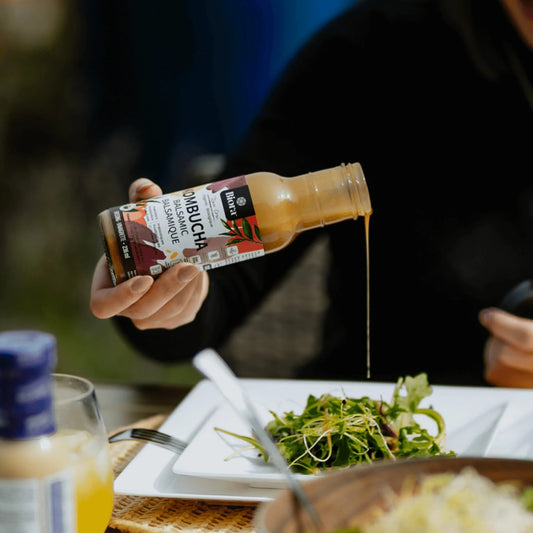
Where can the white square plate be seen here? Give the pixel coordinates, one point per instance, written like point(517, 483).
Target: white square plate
point(480, 421)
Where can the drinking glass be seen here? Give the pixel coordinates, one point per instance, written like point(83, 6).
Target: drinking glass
point(81, 427)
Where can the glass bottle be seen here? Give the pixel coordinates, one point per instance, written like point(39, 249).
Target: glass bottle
point(55, 469)
point(36, 490)
point(227, 221)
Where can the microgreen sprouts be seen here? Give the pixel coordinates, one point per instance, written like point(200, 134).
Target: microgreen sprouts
point(336, 432)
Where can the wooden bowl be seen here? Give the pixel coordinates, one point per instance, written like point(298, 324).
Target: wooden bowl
point(344, 496)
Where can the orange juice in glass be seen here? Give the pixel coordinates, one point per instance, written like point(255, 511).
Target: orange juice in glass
point(55, 468)
point(81, 434)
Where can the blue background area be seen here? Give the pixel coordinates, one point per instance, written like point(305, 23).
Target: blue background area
point(187, 77)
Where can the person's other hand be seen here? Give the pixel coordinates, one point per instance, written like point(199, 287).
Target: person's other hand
point(171, 301)
point(509, 349)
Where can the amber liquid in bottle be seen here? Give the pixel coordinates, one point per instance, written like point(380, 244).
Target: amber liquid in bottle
point(286, 207)
point(228, 221)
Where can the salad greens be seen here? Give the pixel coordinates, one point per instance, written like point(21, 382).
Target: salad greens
point(333, 432)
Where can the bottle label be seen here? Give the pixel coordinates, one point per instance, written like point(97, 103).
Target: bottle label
point(209, 225)
point(38, 505)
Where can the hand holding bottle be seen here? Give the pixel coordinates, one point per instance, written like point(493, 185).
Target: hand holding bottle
point(509, 349)
point(168, 302)
point(173, 237)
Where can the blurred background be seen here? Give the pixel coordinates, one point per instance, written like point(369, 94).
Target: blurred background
point(95, 93)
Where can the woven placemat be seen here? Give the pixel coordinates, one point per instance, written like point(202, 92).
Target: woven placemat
point(138, 514)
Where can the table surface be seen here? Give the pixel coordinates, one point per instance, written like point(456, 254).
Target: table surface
point(124, 404)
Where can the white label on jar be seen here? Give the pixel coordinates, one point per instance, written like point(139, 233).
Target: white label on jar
point(210, 225)
point(44, 505)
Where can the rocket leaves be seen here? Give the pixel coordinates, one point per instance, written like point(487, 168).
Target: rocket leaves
point(335, 432)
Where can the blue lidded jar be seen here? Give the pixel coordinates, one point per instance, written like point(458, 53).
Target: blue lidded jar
point(32, 459)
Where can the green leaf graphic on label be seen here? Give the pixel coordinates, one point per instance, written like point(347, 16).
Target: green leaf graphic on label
point(241, 234)
point(236, 228)
point(247, 229)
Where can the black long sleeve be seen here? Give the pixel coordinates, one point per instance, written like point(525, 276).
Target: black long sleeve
point(445, 145)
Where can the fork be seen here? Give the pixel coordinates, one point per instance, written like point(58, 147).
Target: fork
point(151, 435)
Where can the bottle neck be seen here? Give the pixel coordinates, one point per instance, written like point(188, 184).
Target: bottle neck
point(332, 195)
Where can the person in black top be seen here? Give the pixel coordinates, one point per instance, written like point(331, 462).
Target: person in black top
point(435, 100)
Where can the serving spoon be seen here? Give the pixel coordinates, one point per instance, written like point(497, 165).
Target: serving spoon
point(213, 367)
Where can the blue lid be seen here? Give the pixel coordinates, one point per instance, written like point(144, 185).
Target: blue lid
point(26, 361)
point(26, 351)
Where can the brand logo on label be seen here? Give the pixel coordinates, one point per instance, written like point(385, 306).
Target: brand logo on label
point(237, 203)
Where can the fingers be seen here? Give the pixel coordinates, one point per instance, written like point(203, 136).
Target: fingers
point(106, 300)
point(179, 309)
point(171, 301)
point(172, 282)
point(509, 350)
point(506, 367)
point(514, 330)
point(142, 189)
point(504, 376)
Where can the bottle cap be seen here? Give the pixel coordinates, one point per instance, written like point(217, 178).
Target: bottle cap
point(24, 352)
point(26, 361)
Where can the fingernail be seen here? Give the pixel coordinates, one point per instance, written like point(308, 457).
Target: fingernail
point(144, 186)
point(187, 273)
point(141, 284)
point(485, 316)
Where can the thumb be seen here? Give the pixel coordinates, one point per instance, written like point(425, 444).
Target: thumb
point(142, 189)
